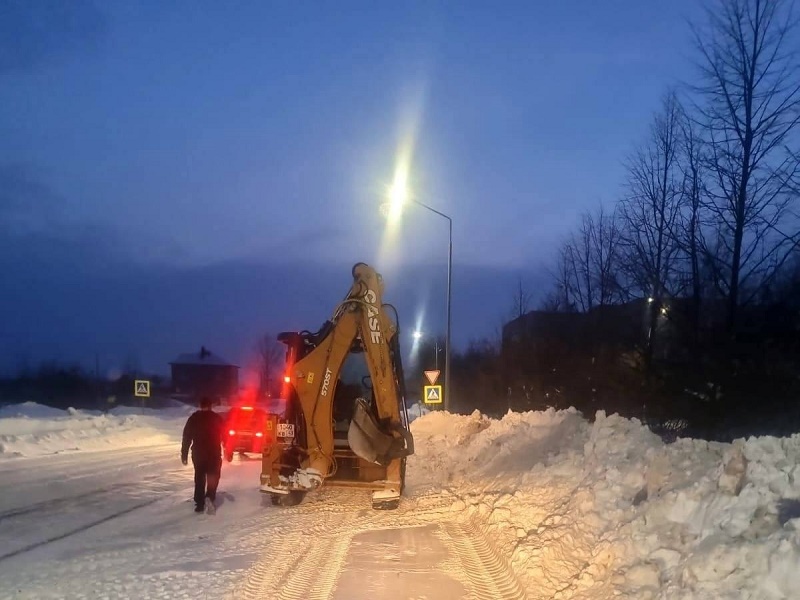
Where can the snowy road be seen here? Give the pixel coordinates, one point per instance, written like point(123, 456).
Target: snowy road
point(56, 497)
point(337, 547)
point(536, 505)
point(120, 524)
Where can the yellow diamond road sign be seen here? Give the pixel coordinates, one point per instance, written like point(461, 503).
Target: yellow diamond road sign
point(141, 388)
point(432, 394)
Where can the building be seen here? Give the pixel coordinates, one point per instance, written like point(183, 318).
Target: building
point(618, 324)
point(203, 373)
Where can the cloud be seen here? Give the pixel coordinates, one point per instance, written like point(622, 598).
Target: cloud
point(25, 203)
point(37, 231)
point(33, 34)
point(155, 313)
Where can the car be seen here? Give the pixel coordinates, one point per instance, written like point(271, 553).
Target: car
point(247, 426)
point(245, 430)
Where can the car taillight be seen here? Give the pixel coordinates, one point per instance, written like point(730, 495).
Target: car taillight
point(232, 432)
point(259, 434)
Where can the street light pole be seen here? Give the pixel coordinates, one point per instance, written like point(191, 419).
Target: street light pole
point(446, 401)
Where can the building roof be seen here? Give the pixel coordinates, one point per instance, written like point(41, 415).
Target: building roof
point(204, 357)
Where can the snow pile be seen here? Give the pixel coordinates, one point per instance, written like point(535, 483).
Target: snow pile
point(607, 510)
point(416, 410)
point(31, 429)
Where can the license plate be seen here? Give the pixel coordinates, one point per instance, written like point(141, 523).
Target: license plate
point(286, 430)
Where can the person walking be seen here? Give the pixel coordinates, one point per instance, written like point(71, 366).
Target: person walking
point(203, 432)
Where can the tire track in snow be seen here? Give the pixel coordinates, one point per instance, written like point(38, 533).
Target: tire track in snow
point(38, 518)
point(489, 577)
point(306, 561)
point(57, 503)
point(317, 570)
point(285, 573)
point(75, 531)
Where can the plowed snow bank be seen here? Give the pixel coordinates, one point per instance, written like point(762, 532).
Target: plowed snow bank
point(607, 510)
point(30, 429)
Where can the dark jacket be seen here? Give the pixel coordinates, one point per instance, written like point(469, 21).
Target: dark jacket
point(203, 432)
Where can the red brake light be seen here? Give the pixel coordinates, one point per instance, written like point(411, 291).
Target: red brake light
point(247, 408)
point(231, 432)
point(287, 379)
point(259, 434)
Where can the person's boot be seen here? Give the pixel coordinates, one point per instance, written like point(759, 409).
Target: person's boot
point(210, 508)
point(198, 508)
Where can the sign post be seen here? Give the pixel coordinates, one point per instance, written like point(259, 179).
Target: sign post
point(141, 389)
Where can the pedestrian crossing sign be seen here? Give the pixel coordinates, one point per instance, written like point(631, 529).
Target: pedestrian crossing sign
point(141, 388)
point(432, 394)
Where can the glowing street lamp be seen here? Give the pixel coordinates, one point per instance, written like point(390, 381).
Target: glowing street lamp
point(399, 196)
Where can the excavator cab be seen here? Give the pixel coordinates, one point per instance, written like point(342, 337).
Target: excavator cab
point(346, 422)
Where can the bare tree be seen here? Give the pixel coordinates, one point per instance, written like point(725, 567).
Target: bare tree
point(650, 212)
point(270, 361)
point(587, 271)
point(606, 236)
point(560, 299)
point(752, 104)
point(522, 300)
point(690, 231)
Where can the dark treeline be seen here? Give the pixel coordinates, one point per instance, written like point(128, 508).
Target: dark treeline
point(682, 300)
point(65, 386)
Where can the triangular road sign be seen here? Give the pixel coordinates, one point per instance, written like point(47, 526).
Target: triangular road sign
point(432, 376)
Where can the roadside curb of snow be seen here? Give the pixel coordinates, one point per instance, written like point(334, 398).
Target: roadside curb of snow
point(606, 509)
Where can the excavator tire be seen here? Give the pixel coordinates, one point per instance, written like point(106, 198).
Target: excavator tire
point(293, 498)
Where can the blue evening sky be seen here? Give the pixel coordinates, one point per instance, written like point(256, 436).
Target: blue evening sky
point(181, 135)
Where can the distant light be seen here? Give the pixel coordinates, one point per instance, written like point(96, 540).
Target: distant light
point(287, 379)
point(650, 299)
point(398, 194)
point(663, 310)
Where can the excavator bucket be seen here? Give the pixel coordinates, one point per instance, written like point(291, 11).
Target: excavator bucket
point(365, 438)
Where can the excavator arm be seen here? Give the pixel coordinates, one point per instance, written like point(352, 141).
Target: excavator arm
point(378, 440)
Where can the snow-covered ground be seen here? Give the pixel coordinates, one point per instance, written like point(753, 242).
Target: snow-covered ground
point(31, 429)
point(533, 505)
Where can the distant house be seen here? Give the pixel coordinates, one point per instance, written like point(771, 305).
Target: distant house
point(624, 326)
point(203, 373)
point(620, 324)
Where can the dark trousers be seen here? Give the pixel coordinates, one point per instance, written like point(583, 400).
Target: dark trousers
point(206, 479)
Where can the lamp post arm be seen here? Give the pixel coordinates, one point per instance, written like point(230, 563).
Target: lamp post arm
point(433, 210)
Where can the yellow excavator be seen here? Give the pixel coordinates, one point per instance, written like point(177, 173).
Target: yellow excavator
point(336, 432)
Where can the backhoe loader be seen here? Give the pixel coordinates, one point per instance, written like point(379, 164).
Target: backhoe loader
point(338, 433)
